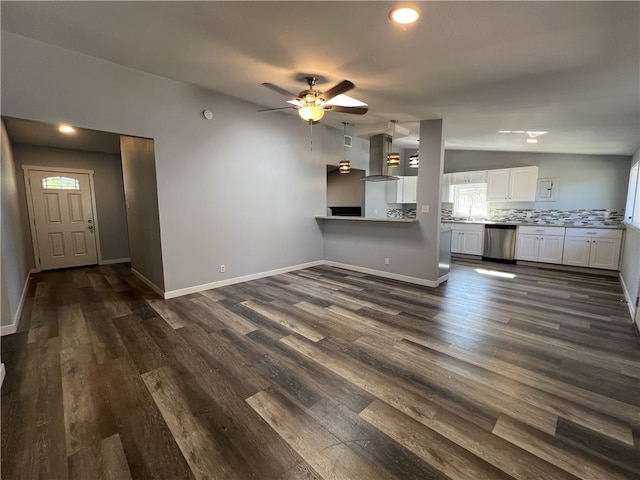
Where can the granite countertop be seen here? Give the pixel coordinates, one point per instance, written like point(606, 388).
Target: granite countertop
point(618, 226)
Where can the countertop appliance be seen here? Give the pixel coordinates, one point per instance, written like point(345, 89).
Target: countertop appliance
point(499, 243)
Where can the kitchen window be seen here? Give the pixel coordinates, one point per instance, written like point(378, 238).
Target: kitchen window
point(470, 200)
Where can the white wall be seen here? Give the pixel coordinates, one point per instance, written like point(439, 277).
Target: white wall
point(16, 261)
point(240, 190)
point(630, 263)
point(586, 181)
point(109, 192)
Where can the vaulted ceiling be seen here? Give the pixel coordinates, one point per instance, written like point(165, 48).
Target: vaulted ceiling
point(569, 68)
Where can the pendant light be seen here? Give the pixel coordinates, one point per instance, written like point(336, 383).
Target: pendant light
point(345, 165)
point(393, 158)
point(414, 160)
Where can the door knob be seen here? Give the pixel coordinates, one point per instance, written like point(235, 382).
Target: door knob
point(90, 227)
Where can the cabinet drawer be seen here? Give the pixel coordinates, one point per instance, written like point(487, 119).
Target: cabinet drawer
point(466, 227)
point(541, 230)
point(594, 232)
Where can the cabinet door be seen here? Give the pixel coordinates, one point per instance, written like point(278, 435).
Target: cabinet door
point(477, 177)
point(605, 253)
point(472, 243)
point(409, 189)
point(498, 185)
point(522, 184)
point(394, 191)
point(445, 188)
point(458, 178)
point(456, 235)
point(576, 251)
point(527, 247)
point(550, 249)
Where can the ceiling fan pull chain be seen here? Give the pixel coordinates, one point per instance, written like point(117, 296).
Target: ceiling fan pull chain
point(311, 135)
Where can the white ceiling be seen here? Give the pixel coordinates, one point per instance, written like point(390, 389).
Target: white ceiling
point(569, 68)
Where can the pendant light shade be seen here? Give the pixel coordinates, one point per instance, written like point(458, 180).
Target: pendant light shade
point(345, 165)
point(393, 158)
point(414, 160)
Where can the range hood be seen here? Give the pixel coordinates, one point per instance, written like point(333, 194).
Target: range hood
point(379, 147)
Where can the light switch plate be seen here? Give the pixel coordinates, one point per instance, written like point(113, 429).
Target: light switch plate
point(424, 209)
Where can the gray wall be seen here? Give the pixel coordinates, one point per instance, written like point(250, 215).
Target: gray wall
point(240, 190)
point(16, 248)
point(345, 190)
point(109, 192)
point(586, 181)
point(140, 187)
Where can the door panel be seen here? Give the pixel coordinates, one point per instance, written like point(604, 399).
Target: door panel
point(63, 218)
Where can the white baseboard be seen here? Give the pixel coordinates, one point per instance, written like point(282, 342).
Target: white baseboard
point(148, 282)
point(232, 281)
point(2, 374)
point(393, 276)
point(631, 302)
point(13, 327)
point(115, 260)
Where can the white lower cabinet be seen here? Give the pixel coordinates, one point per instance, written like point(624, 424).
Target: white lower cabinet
point(540, 244)
point(467, 239)
point(592, 247)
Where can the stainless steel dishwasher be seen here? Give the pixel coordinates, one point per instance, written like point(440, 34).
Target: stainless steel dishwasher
point(499, 243)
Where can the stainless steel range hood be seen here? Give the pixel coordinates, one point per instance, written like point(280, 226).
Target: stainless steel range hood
point(379, 147)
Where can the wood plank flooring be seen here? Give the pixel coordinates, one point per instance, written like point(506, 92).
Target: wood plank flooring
point(324, 374)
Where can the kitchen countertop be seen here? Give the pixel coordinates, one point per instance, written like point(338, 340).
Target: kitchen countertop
point(619, 226)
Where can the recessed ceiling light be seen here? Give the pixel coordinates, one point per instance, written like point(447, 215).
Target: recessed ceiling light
point(404, 15)
point(66, 129)
point(532, 140)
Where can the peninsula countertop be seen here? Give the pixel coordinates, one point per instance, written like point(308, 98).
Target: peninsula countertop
point(367, 219)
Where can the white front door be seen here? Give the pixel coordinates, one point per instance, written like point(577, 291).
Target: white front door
point(63, 218)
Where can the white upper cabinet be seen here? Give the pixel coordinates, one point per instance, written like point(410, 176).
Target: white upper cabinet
point(459, 178)
point(403, 190)
point(512, 184)
point(445, 188)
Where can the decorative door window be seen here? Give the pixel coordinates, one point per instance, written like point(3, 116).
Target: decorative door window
point(60, 183)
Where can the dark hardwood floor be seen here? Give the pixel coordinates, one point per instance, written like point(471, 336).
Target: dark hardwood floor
point(323, 374)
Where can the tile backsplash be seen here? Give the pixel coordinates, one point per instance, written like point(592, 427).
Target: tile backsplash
point(401, 213)
point(596, 216)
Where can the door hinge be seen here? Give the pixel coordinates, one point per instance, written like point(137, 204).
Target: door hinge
point(637, 301)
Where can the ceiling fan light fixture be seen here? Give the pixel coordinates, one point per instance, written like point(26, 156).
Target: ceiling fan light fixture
point(67, 129)
point(404, 15)
point(311, 112)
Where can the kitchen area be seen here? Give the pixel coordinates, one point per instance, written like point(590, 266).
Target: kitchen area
point(547, 209)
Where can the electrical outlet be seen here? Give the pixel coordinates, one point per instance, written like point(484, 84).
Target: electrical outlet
point(386, 261)
point(222, 268)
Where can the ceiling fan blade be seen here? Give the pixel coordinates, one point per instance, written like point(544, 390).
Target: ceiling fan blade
point(343, 86)
point(279, 90)
point(354, 110)
point(276, 109)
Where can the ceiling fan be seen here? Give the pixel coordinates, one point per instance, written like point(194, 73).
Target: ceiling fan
point(312, 103)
